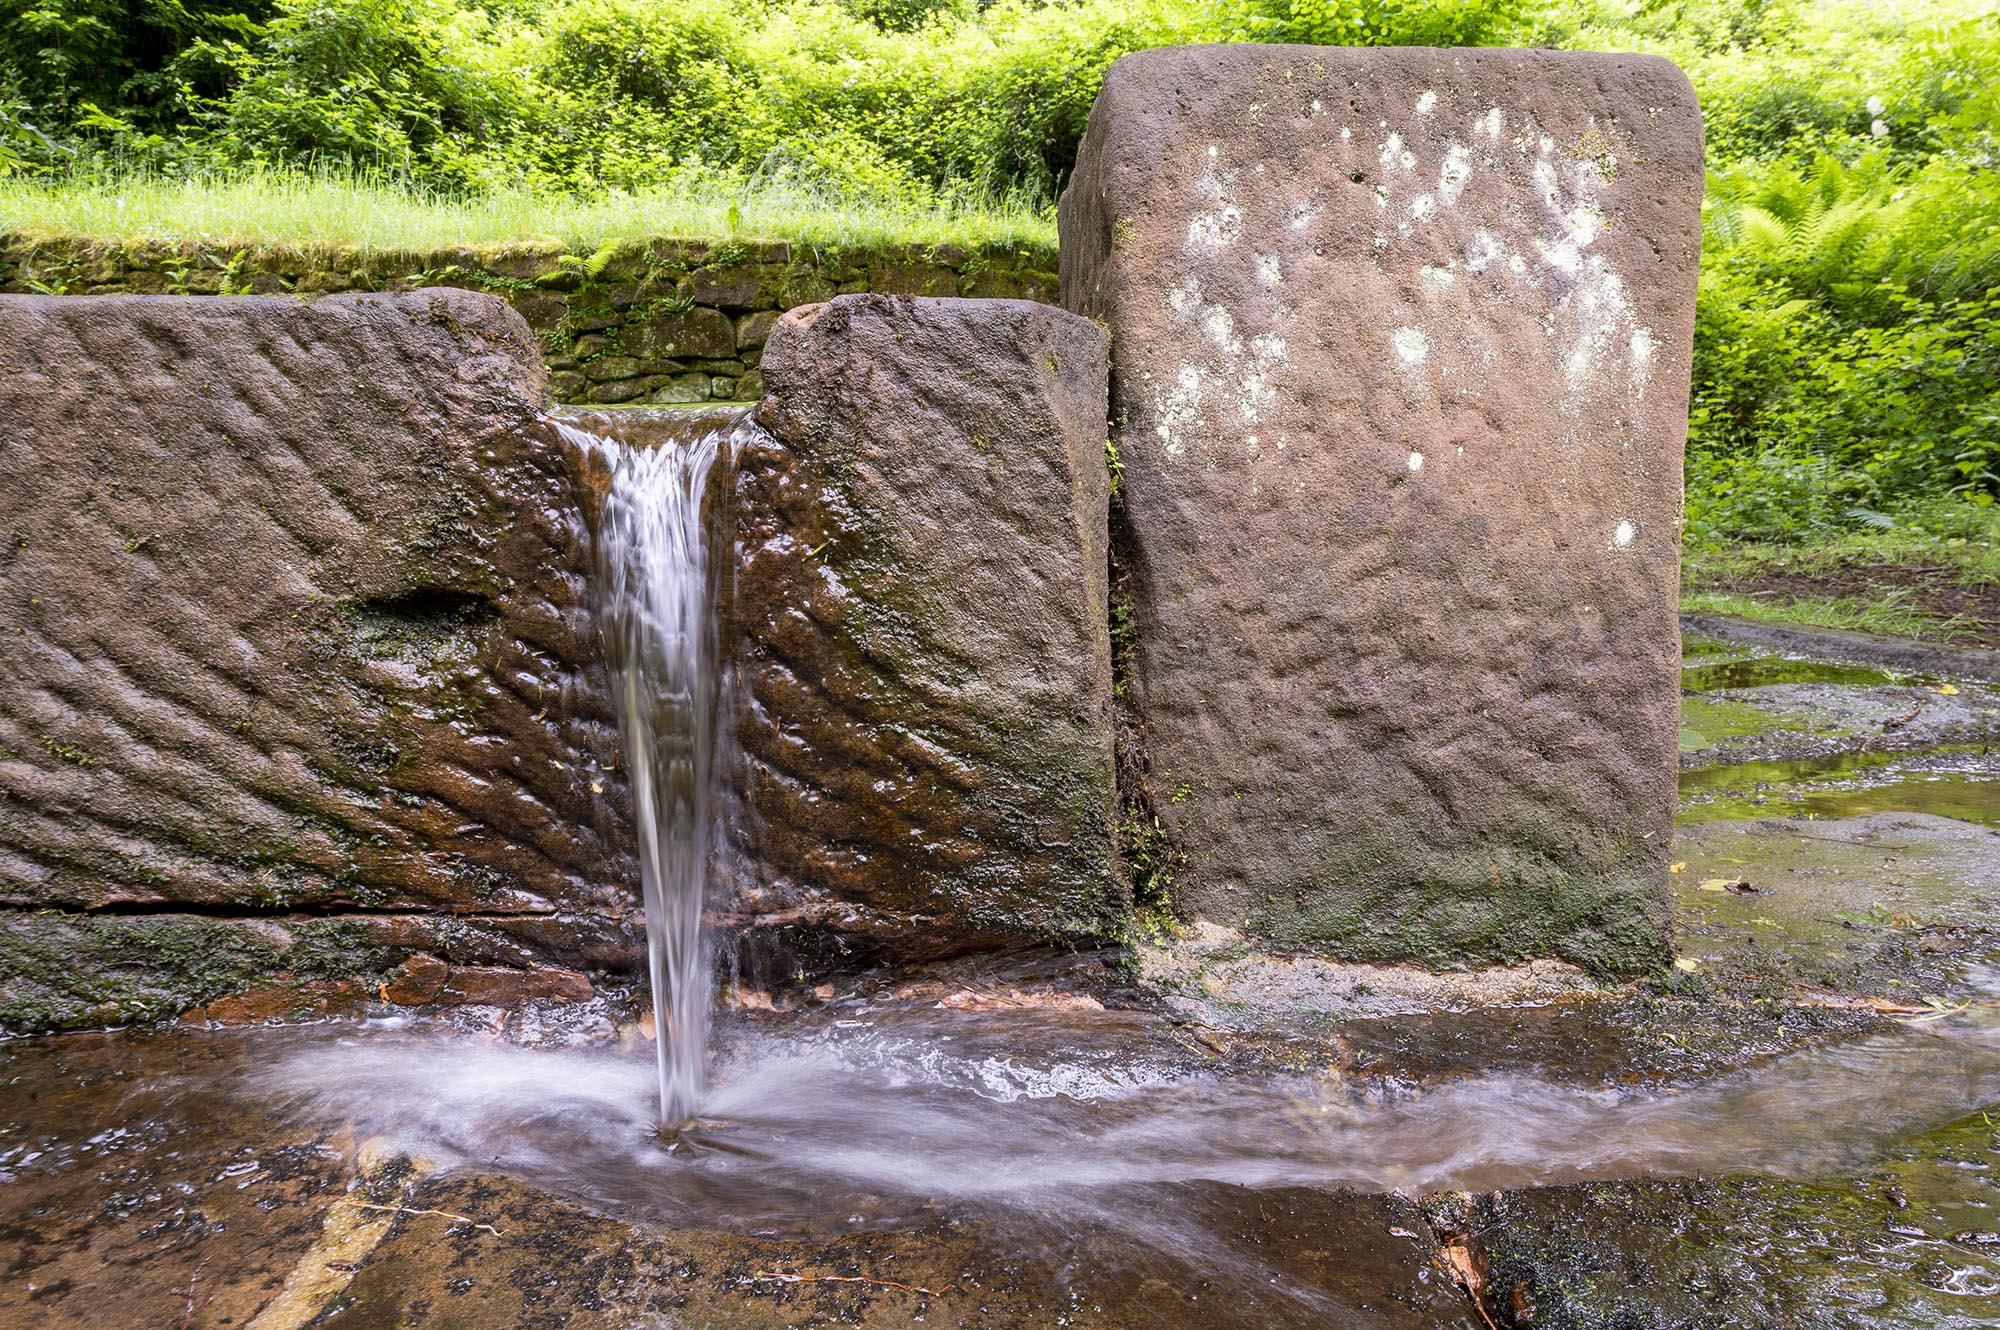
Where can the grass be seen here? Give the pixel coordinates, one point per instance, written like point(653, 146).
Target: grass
point(1966, 551)
point(328, 210)
point(1888, 613)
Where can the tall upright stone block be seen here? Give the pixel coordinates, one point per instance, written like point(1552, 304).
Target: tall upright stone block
point(918, 632)
point(1400, 366)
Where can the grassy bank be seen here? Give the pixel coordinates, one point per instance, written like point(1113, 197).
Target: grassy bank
point(1935, 578)
point(335, 210)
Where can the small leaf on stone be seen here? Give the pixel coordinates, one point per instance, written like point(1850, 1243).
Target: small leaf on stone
point(1946, 689)
point(1686, 963)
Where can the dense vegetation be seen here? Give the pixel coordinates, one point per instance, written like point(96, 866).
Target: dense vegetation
point(1848, 350)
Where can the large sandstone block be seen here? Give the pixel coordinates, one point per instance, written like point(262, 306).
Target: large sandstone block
point(1400, 368)
point(919, 631)
point(295, 614)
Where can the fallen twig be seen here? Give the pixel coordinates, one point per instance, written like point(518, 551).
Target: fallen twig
point(1843, 840)
point(441, 1214)
point(1895, 723)
point(1461, 1262)
point(188, 1318)
point(783, 1278)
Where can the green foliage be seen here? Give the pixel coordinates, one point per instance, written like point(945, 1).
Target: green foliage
point(1390, 22)
point(1847, 347)
point(1845, 344)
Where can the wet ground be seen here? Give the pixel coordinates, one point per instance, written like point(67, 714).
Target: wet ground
point(1787, 1128)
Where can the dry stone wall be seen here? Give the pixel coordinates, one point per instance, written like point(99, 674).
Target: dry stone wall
point(661, 321)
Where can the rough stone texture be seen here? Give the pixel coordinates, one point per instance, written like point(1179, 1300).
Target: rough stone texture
point(295, 627)
point(1401, 358)
point(919, 630)
point(661, 320)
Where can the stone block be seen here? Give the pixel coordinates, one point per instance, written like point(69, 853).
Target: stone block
point(294, 595)
point(732, 287)
point(912, 279)
point(682, 388)
point(752, 329)
point(1402, 343)
point(693, 332)
point(919, 628)
point(604, 369)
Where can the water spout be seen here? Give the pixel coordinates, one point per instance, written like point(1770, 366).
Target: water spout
point(657, 609)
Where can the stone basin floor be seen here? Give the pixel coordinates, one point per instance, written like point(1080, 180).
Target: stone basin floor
point(1788, 1128)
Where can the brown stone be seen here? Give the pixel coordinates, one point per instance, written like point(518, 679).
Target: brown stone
point(296, 613)
point(311, 1000)
point(690, 333)
point(1401, 364)
point(919, 627)
point(497, 986)
point(419, 981)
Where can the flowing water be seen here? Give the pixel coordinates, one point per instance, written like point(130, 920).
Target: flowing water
point(656, 601)
point(880, 1119)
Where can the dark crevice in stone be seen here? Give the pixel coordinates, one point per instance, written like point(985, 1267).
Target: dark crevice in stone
point(237, 910)
point(1145, 847)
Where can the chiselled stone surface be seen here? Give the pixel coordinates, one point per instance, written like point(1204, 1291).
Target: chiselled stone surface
point(1400, 369)
point(295, 625)
point(919, 629)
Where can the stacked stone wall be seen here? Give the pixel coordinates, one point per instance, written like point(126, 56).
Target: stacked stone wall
point(657, 321)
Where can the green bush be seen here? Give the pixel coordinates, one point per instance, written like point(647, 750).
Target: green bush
point(1845, 348)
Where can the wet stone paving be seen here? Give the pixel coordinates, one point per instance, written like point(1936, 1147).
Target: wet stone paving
point(1789, 1127)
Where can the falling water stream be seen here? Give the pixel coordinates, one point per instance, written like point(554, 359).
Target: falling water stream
point(657, 609)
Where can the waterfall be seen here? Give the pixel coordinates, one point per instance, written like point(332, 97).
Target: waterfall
point(656, 606)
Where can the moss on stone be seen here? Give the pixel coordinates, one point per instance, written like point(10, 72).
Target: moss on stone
point(67, 971)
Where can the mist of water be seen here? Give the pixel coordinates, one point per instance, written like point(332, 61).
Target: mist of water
point(656, 607)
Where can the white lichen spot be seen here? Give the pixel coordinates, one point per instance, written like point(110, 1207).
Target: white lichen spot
point(1643, 347)
point(1483, 252)
point(1270, 349)
point(1548, 145)
point(1345, 133)
point(1316, 108)
point(1220, 327)
point(1412, 347)
point(1214, 230)
point(1381, 196)
point(1454, 174)
point(1258, 395)
point(1303, 215)
point(1436, 278)
point(1392, 152)
point(1623, 536)
point(1268, 271)
point(1416, 463)
point(1562, 255)
point(1427, 103)
point(1179, 410)
point(1421, 207)
point(1547, 185)
point(1490, 124)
